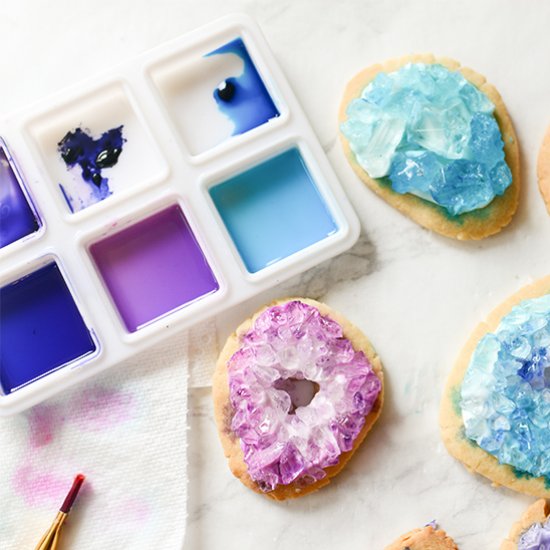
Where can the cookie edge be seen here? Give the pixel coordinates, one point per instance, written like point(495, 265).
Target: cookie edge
point(543, 169)
point(436, 538)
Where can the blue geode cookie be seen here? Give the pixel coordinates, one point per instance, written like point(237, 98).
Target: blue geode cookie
point(426, 135)
point(505, 394)
point(495, 415)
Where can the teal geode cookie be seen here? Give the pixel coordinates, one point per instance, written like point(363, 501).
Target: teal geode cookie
point(505, 394)
point(435, 141)
point(495, 414)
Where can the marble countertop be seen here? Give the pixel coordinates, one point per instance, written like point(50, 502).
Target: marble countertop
point(415, 294)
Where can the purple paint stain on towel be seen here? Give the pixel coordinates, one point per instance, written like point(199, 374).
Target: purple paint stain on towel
point(38, 488)
point(134, 510)
point(99, 408)
point(44, 421)
point(92, 410)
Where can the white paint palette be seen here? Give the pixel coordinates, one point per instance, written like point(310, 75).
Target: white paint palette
point(152, 197)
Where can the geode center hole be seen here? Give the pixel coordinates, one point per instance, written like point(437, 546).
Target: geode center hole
point(300, 391)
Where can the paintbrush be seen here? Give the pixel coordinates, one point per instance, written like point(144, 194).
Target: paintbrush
point(51, 539)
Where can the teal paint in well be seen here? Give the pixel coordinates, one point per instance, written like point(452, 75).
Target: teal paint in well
point(273, 210)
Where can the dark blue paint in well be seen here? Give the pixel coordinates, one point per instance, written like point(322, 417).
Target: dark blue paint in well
point(92, 155)
point(17, 220)
point(273, 210)
point(41, 328)
point(244, 98)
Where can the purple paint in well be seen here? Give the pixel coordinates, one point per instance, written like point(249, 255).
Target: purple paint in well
point(153, 267)
point(17, 220)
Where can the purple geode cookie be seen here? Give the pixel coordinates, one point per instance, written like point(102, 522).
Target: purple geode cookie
point(292, 350)
point(532, 531)
point(537, 537)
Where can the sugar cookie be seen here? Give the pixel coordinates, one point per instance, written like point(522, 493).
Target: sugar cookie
point(435, 141)
point(296, 390)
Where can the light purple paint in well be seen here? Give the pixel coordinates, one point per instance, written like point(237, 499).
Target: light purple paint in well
point(153, 267)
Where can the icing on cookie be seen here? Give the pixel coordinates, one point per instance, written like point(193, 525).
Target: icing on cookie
point(505, 394)
point(537, 537)
point(432, 134)
point(283, 442)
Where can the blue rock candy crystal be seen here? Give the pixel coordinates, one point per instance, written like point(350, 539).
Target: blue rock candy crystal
point(505, 395)
point(433, 133)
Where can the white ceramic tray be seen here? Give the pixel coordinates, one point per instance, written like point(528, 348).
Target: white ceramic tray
point(253, 224)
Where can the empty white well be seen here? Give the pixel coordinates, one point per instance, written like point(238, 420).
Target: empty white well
point(187, 83)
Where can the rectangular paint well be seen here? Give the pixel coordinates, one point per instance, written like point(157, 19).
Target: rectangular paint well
point(213, 94)
point(17, 220)
point(153, 267)
point(41, 328)
point(96, 148)
point(273, 210)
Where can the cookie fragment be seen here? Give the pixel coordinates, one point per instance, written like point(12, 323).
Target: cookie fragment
point(426, 538)
point(537, 513)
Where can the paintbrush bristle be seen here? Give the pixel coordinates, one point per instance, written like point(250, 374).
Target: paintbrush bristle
point(73, 492)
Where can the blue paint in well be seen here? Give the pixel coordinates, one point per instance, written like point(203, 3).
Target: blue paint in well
point(244, 99)
point(17, 220)
point(273, 210)
point(78, 148)
point(41, 328)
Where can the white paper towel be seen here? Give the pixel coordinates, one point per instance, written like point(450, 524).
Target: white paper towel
point(203, 353)
point(126, 430)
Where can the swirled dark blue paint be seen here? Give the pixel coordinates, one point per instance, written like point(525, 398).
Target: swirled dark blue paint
point(244, 99)
point(17, 220)
point(78, 148)
point(41, 328)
